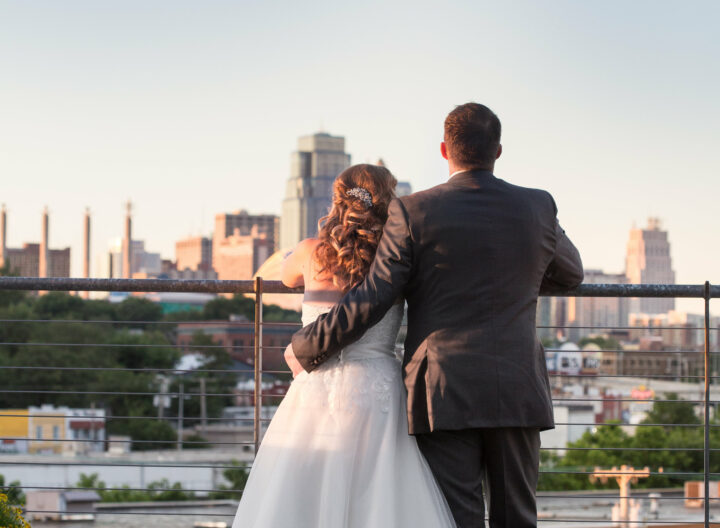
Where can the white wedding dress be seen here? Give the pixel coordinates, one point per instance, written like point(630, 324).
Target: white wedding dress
point(337, 454)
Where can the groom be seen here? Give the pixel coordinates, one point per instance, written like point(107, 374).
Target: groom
point(469, 256)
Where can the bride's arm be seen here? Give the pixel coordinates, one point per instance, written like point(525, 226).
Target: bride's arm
point(365, 304)
point(293, 269)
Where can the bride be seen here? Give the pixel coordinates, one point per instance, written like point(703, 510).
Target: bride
point(337, 454)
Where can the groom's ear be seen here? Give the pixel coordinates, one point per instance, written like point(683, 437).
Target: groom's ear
point(443, 150)
point(499, 152)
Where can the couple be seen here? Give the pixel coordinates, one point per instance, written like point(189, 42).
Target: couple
point(468, 257)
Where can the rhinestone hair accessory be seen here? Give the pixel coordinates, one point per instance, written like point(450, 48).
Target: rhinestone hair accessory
point(361, 194)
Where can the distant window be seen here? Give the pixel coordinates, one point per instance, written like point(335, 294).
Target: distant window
point(38, 431)
point(56, 432)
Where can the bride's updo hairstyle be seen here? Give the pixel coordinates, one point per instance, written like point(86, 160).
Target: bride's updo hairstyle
point(350, 233)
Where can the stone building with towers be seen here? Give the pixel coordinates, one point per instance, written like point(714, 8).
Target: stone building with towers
point(315, 164)
point(648, 261)
point(33, 259)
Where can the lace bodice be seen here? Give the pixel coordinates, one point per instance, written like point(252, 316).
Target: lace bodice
point(378, 341)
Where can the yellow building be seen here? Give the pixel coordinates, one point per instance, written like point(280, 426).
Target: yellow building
point(13, 430)
point(46, 424)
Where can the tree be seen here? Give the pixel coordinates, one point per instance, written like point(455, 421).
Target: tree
point(10, 297)
point(13, 491)
point(237, 477)
point(604, 342)
point(158, 490)
point(672, 413)
point(138, 309)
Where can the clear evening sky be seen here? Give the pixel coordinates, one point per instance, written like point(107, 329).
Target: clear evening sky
point(192, 108)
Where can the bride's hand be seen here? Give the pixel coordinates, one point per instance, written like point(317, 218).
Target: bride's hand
point(292, 362)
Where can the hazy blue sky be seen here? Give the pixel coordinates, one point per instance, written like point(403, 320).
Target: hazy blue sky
point(192, 108)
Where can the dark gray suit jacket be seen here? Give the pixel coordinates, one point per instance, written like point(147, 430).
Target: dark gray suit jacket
point(469, 256)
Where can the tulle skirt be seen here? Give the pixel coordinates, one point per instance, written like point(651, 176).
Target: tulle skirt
point(337, 454)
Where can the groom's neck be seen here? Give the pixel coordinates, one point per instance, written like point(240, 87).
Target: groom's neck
point(453, 168)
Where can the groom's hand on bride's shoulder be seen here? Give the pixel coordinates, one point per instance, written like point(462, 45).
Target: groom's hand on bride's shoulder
point(292, 361)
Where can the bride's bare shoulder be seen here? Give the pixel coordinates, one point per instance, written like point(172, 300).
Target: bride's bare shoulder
point(297, 262)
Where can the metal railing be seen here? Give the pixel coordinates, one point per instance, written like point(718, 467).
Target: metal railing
point(259, 287)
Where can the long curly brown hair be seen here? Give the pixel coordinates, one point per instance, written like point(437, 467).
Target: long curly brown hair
point(350, 233)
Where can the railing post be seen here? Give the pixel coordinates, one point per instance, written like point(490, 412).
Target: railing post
point(257, 429)
point(706, 449)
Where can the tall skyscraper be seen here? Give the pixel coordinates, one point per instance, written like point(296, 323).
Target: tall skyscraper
point(86, 250)
point(648, 262)
point(127, 248)
point(44, 265)
point(313, 168)
point(3, 235)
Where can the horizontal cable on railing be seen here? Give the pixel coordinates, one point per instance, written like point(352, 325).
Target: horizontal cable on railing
point(123, 369)
point(622, 351)
point(621, 376)
point(642, 327)
point(116, 393)
point(107, 464)
point(134, 345)
point(110, 321)
point(640, 493)
point(655, 473)
point(612, 400)
point(246, 371)
point(610, 424)
point(625, 449)
point(615, 523)
point(75, 488)
point(102, 441)
point(135, 505)
point(99, 419)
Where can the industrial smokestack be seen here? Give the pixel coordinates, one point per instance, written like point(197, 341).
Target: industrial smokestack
point(127, 243)
point(3, 235)
point(44, 266)
point(86, 249)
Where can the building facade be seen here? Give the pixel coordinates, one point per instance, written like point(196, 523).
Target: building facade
point(313, 168)
point(238, 337)
point(648, 261)
point(597, 315)
point(243, 223)
point(238, 257)
point(194, 254)
point(25, 261)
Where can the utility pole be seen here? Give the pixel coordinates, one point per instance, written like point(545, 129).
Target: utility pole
point(181, 401)
point(624, 476)
point(203, 406)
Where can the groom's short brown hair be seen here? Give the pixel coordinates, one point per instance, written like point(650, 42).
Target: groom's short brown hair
point(472, 136)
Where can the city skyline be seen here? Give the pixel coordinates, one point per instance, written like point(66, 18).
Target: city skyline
point(193, 110)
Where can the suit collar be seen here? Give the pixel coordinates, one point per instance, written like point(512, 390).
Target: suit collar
point(471, 178)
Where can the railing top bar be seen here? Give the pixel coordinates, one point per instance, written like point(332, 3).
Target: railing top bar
point(142, 285)
point(273, 286)
point(634, 290)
